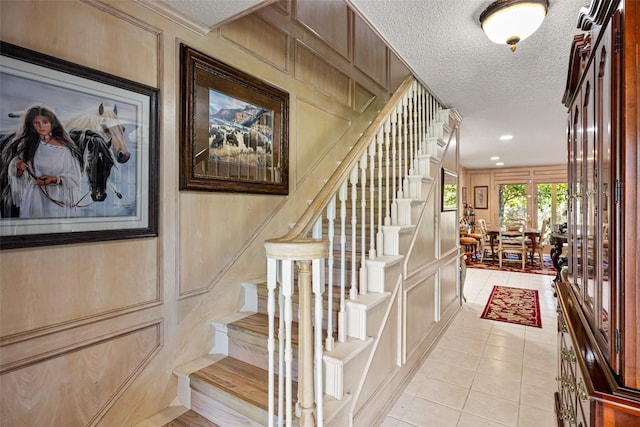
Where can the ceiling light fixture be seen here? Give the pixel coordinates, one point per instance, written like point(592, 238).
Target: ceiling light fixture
point(511, 21)
point(506, 137)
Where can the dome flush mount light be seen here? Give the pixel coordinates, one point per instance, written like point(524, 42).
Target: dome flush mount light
point(511, 21)
point(506, 137)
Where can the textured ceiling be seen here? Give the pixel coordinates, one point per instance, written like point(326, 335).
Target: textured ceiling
point(495, 90)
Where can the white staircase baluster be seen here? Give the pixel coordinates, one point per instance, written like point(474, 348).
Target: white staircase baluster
point(414, 129)
point(316, 233)
point(382, 146)
point(287, 292)
point(281, 334)
point(317, 282)
point(423, 120)
point(271, 312)
point(372, 156)
point(412, 136)
point(429, 116)
point(331, 216)
point(363, 223)
point(342, 318)
point(404, 151)
point(394, 157)
point(353, 291)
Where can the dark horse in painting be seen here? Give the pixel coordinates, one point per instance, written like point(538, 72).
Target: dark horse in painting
point(96, 166)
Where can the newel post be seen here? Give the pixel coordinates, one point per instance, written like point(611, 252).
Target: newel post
point(302, 251)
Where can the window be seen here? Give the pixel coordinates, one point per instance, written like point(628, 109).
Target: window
point(512, 201)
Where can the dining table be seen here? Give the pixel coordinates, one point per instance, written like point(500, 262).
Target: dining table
point(531, 233)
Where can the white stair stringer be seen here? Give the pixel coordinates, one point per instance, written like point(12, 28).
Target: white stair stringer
point(377, 270)
point(431, 147)
point(409, 210)
point(183, 372)
point(415, 187)
point(445, 115)
point(439, 130)
point(361, 313)
point(397, 239)
point(424, 165)
point(343, 366)
point(221, 332)
point(250, 294)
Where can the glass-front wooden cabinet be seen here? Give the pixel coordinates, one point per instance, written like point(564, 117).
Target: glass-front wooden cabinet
point(598, 294)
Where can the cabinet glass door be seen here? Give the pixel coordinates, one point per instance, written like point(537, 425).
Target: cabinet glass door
point(590, 184)
point(605, 310)
point(576, 225)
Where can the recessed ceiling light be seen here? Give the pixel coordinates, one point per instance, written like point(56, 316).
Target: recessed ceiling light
point(500, 164)
point(495, 158)
point(506, 137)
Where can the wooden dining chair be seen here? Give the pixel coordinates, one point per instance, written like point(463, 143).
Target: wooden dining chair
point(485, 240)
point(511, 224)
point(512, 242)
point(539, 243)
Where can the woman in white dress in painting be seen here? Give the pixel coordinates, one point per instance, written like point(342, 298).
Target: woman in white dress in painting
point(45, 167)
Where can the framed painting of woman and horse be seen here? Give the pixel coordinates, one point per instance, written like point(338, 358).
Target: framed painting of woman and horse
point(78, 153)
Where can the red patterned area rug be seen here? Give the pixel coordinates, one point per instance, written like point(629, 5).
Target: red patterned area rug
point(513, 305)
point(546, 268)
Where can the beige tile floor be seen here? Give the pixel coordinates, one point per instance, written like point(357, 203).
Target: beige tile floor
point(486, 373)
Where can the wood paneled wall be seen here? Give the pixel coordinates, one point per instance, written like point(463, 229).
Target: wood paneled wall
point(90, 333)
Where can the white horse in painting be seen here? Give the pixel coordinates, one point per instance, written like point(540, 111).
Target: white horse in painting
point(104, 121)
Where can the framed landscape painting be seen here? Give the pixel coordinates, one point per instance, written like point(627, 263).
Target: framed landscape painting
point(234, 129)
point(93, 175)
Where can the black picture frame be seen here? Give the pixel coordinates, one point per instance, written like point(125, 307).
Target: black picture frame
point(85, 99)
point(234, 130)
point(449, 193)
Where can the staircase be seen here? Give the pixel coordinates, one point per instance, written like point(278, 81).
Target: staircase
point(339, 268)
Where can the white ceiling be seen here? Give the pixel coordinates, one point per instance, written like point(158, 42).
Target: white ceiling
point(495, 90)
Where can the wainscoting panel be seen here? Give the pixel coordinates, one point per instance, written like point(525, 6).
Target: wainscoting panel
point(420, 313)
point(362, 98)
point(329, 20)
point(320, 130)
point(449, 285)
point(45, 289)
point(423, 249)
point(312, 69)
point(260, 38)
point(370, 52)
point(91, 374)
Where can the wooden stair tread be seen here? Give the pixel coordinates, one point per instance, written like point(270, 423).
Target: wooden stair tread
point(258, 323)
point(239, 379)
point(190, 419)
